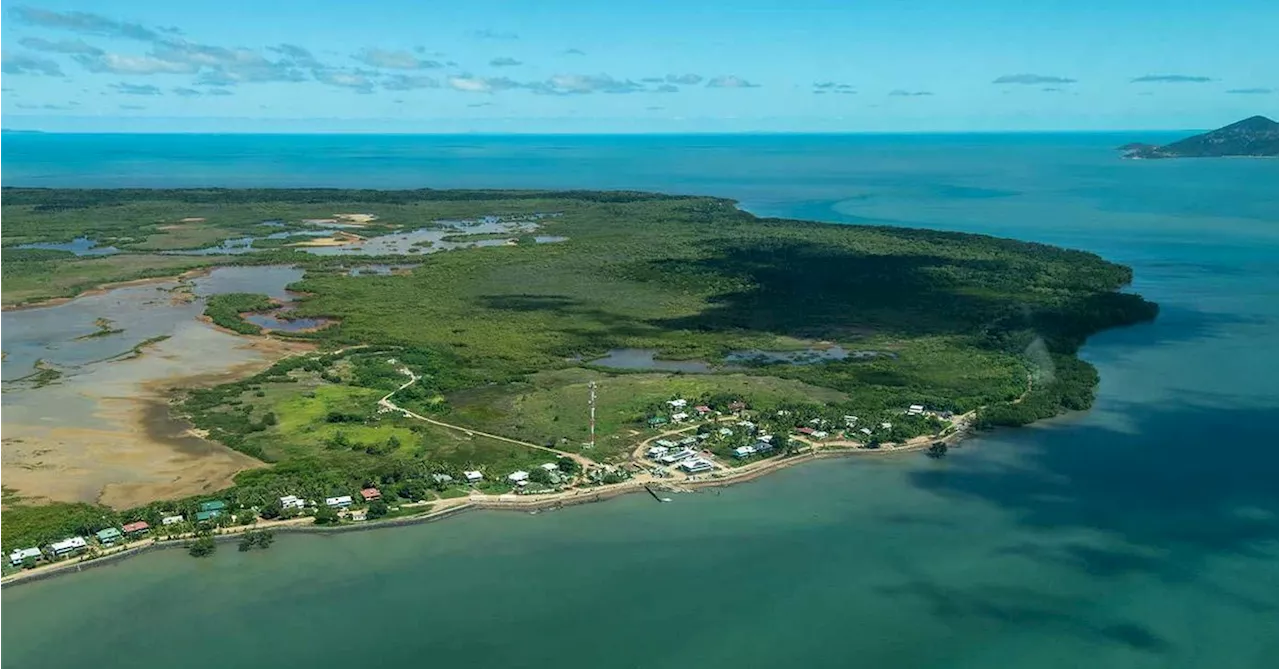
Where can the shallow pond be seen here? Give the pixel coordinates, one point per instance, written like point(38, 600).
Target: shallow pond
point(81, 246)
point(644, 358)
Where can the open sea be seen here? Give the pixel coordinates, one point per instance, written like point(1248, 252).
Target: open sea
point(1141, 533)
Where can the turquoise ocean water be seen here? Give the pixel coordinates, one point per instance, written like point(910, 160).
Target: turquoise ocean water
point(1138, 534)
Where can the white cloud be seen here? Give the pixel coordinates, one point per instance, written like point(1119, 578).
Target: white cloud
point(730, 81)
point(122, 64)
point(392, 59)
point(84, 22)
point(17, 63)
point(60, 46)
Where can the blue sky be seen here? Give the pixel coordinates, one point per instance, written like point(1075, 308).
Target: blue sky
point(656, 66)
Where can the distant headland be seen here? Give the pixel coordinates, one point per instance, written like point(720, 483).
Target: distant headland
point(1254, 136)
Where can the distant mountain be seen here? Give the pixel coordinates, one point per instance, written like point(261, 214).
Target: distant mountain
point(1254, 136)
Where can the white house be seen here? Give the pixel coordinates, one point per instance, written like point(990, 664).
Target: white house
point(850, 420)
point(744, 452)
point(696, 465)
point(766, 438)
point(473, 476)
point(171, 520)
point(819, 434)
point(678, 403)
point(441, 478)
point(682, 454)
point(518, 477)
point(915, 409)
point(20, 555)
point(550, 466)
point(865, 431)
point(656, 452)
point(292, 502)
point(887, 426)
point(341, 502)
point(69, 546)
point(725, 431)
point(679, 417)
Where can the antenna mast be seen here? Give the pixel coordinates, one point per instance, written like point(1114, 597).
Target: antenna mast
point(591, 403)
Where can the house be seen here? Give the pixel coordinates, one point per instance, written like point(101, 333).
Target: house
point(213, 505)
point(358, 514)
point(137, 528)
point(886, 426)
point(171, 520)
point(805, 430)
point(370, 494)
point(679, 417)
point(473, 476)
point(701, 437)
point(688, 441)
point(518, 477)
point(109, 536)
point(915, 409)
point(20, 555)
point(677, 403)
point(550, 466)
point(850, 421)
point(819, 434)
point(766, 438)
point(865, 431)
point(441, 478)
point(747, 424)
point(340, 502)
point(666, 442)
point(68, 546)
point(744, 452)
point(702, 409)
point(657, 420)
point(726, 431)
point(697, 465)
point(656, 452)
point(762, 446)
point(204, 516)
point(736, 406)
point(292, 502)
point(817, 421)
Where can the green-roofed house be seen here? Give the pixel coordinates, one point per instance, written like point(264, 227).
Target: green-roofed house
point(213, 505)
point(109, 536)
point(204, 516)
point(657, 420)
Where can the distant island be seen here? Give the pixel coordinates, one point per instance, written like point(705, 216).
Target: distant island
point(1254, 136)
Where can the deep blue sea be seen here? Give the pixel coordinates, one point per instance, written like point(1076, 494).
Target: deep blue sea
point(1141, 533)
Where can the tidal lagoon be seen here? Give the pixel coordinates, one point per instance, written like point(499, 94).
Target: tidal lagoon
point(1137, 534)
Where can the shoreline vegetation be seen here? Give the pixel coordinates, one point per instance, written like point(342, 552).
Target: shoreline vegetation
point(465, 377)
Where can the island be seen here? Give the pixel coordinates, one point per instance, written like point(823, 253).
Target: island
point(284, 358)
point(1254, 136)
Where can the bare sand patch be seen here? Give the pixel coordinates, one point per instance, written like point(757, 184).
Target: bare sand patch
point(192, 219)
point(108, 435)
point(338, 239)
point(357, 219)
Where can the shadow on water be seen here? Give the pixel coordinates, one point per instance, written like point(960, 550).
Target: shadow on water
point(1188, 478)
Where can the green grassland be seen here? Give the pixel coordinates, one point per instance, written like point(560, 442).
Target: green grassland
point(498, 335)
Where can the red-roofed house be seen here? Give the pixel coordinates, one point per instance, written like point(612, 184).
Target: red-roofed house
point(140, 527)
point(702, 409)
point(805, 430)
point(370, 494)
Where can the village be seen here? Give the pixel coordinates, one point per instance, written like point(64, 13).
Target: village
point(687, 443)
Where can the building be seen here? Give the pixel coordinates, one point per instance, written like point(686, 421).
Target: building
point(137, 528)
point(340, 502)
point(751, 427)
point(736, 406)
point(702, 409)
point(292, 502)
point(109, 536)
point(213, 505)
point(550, 466)
point(766, 438)
point(697, 465)
point(656, 452)
point(819, 434)
point(677, 403)
point(68, 546)
point(725, 431)
point(441, 478)
point(679, 417)
point(473, 476)
point(805, 430)
point(762, 446)
point(886, 426)
point(370, 494)
point(744, 452)
point(518, 477)
point(677, 456)
point(865, 431)
point(688, 441)
point(205, 516)
point(657, 420)
point(171, 520)
point(666, 443)
point(915, 409)
point(850, 421)
point(20, 555)
point(359, 514)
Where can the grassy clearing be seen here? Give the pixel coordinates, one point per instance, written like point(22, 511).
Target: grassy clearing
point(33, 281)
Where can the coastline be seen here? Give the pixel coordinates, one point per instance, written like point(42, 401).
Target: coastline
point(460, 505)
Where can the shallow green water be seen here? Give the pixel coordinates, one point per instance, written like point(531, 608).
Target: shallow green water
point(1139, 534)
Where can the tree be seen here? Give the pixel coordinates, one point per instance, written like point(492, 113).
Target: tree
point(568, 465)
point(540, 475)
point(272, 510)
point(326, 516)
point(937, 450)
point(203, 546)
point(378, 509)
